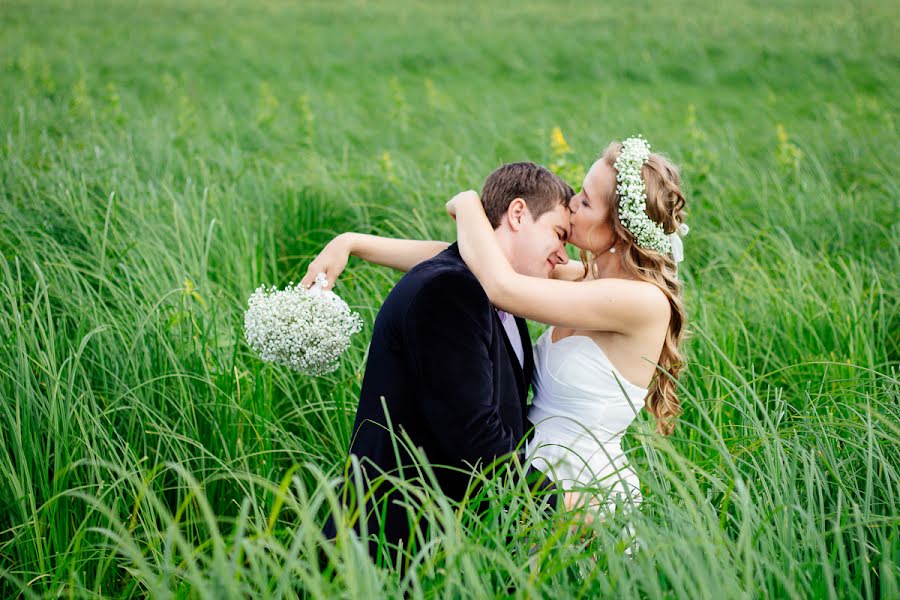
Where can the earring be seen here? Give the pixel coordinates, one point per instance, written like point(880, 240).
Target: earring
point(612, 250)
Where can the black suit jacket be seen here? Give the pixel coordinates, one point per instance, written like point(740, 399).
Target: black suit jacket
point(444, 368)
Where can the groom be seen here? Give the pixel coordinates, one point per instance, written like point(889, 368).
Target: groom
point(452, 371)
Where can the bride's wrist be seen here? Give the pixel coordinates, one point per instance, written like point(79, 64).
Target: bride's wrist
point(347, 242)
point(470, 203)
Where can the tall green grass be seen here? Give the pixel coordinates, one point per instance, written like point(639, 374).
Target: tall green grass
point(159, 162)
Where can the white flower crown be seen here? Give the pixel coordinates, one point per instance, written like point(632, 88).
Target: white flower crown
point(633, 198)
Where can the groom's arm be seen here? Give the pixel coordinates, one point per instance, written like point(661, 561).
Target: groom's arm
point(448, 332)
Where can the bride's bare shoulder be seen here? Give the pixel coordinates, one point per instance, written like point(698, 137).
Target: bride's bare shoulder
point(653, 298)
point(644, 301)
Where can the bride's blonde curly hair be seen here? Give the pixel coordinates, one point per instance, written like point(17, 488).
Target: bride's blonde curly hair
point(665, 205)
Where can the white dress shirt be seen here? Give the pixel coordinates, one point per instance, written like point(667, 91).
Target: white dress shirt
point(512, 333)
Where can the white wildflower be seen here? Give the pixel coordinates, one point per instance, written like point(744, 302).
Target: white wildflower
point(306, 330)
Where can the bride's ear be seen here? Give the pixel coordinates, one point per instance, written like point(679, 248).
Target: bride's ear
point(515, 214)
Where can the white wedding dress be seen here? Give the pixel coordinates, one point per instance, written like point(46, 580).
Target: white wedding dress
point(582, 407)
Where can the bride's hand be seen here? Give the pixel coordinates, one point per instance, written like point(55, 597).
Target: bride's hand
point(331, 260)
point(457, 199)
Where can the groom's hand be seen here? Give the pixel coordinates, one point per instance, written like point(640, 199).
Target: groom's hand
point(331, 260)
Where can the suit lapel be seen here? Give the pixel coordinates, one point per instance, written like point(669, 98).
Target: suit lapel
point(528, 370)
point(510, 351)
point(529, 353)
point(527, 375)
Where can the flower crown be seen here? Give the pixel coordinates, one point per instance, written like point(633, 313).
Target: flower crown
point(633, 198)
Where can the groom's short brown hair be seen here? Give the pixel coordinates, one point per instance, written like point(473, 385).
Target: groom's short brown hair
point(538, 187)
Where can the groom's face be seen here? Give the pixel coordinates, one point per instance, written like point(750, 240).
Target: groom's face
point(540, 244)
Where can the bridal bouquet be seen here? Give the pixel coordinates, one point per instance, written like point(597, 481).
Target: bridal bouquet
point(306, 330)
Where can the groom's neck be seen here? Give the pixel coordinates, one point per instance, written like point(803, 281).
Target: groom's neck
point(506, 240)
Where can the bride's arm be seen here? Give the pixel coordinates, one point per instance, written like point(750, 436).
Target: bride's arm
point(571, 271)
point(402, 255)
point(598, 305)
point(398, 254)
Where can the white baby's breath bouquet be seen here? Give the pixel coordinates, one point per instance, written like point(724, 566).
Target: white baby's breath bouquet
point(306, 330)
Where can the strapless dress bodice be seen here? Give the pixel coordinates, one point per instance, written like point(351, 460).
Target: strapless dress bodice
point(582, 407)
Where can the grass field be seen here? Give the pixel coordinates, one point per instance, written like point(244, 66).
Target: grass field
point(160, 161)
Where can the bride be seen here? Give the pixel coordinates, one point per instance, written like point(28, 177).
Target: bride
point(617, 317)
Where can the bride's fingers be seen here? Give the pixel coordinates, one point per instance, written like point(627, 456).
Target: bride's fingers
point(333, 272)
point(329, 280)
point(310, 277)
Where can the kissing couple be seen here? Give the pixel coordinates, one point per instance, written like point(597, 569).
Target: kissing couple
point(451, 362)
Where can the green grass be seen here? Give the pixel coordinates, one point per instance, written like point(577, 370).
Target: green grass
point(157, 163)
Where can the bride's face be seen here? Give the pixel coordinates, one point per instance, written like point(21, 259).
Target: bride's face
point(591, 228)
